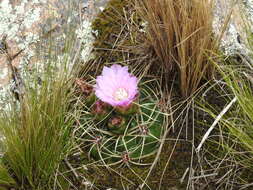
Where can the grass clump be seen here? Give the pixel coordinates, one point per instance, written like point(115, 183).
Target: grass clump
point(180, 34)
point(36, 128)
point(36, 133)
point(239, 120)
point(228, 150)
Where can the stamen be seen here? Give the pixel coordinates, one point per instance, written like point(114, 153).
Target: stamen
point(120, 94)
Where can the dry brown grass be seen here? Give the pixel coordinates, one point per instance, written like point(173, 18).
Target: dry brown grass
point(180, 33)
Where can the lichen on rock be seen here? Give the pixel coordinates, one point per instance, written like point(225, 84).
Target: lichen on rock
point(233, 22)
point(29, 27)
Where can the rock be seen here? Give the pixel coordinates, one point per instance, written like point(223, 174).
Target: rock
point(25, 23)
point(4, 71)
point(238, 15)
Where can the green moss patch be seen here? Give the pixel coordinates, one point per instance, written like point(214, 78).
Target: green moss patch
point(118, 34)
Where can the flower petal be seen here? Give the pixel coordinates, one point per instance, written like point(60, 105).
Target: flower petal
point(111, 80)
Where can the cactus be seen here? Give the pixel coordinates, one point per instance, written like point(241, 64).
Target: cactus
point(124, 135)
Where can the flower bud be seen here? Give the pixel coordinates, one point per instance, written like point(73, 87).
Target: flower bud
point(86, 90)
point(100, 110)
point(117, 124)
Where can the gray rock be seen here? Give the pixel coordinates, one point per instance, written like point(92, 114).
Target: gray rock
point(239, 15)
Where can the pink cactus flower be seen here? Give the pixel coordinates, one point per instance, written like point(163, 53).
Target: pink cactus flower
point(116, 86)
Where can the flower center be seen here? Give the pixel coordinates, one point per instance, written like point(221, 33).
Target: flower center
point(120, 94)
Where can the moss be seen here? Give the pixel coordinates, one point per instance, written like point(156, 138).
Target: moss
point(117, 30)
point(132, 176)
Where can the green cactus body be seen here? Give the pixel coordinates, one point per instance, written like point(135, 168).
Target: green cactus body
point(127, 137)
point(89, 100)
